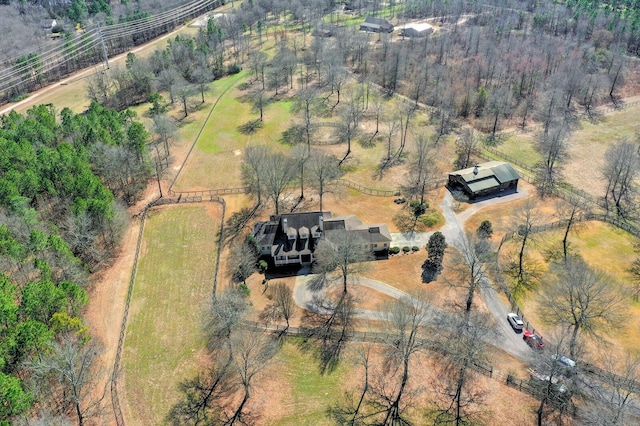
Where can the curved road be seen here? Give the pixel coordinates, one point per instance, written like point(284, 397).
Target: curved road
point(453, 231)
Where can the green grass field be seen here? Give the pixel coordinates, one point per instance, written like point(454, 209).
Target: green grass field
point(604, 247)
point(310, 392)
point(215, 161)
point(174, 280)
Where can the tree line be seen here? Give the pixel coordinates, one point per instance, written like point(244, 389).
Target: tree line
point(65, 179)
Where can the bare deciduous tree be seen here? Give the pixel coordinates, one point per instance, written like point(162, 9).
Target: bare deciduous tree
point(622, 164)
point(282, 306)
point(344, 251)
point(251, 354)
point(462, 341)
point(580, 298)
point(323, 171)
point(524, 220)
point(547, 382)
point(70, 367)
point(466, 144)
point(253, 170)
point(569, 212)
point(552, 146)
point(422, 168)
point(279, 171)
point(405, 334)
point(610, 402)
point(306, 104)
point(469, 268)
point(353, 411)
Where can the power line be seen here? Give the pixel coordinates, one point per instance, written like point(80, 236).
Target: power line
point(112, 39)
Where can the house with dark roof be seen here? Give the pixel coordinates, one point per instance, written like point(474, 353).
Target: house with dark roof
point(485, 179)
point(292, 238)
point(376, 25)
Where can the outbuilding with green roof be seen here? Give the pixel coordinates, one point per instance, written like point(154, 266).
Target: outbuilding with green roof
point(485, 179)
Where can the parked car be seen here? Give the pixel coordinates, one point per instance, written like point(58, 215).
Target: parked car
point(541, 378)
point(567, 365)
point(533, 340)
point(515, 321)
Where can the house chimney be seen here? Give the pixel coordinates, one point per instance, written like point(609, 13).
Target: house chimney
point(321, 223)
point(285, 225)
point(475, 170)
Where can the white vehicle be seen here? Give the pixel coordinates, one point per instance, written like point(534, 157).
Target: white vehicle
point(515, 321)
point(567, 364)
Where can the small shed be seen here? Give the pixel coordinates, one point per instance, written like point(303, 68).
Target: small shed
point(416, 29)
point(48, 24)
point(376, 25)
point(485, 179)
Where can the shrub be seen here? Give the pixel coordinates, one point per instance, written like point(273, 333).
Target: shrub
point(244, 289)
point(485, 230)
point(406, 249)
point(262, 266)
point(418, 208)
point(233, 69)
point(394, 250)
point(415, 248)
point(431, 219)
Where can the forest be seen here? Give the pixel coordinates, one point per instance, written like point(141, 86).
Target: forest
point(64, 187)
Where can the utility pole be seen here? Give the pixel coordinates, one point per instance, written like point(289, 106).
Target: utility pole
point(104, 49)
point(158, 178)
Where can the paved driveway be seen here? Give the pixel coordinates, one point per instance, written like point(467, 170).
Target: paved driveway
point(453, 231)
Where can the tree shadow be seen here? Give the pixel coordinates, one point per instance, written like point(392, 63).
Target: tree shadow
point(251, 126)
point(328, 325)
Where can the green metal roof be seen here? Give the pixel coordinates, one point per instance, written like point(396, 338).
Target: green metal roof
point(505, 173)
point(486, 183)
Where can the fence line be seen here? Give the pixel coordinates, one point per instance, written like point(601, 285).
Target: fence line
point(115, 401)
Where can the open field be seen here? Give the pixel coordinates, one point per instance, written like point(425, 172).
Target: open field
point(216, 159)
point(606, 248)
point(173, 283)
point(295, 393)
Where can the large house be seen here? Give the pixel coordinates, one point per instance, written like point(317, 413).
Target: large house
point(376, 25)
point(292, 238)
point(485, 179)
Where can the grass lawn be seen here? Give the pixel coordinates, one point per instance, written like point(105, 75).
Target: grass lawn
point(305, 393)
point(520, 147)
point(173, 281)
point(589, 143)
point(215, 161)
point(604, 247)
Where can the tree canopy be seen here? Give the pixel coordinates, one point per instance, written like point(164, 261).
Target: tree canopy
point(59, 219)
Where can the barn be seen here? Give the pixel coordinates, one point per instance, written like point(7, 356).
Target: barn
point(485, 179)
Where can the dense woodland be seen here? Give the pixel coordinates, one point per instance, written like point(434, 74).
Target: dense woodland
point(65, 179)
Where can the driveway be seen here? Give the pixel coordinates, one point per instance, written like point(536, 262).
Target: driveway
point(453, 231)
